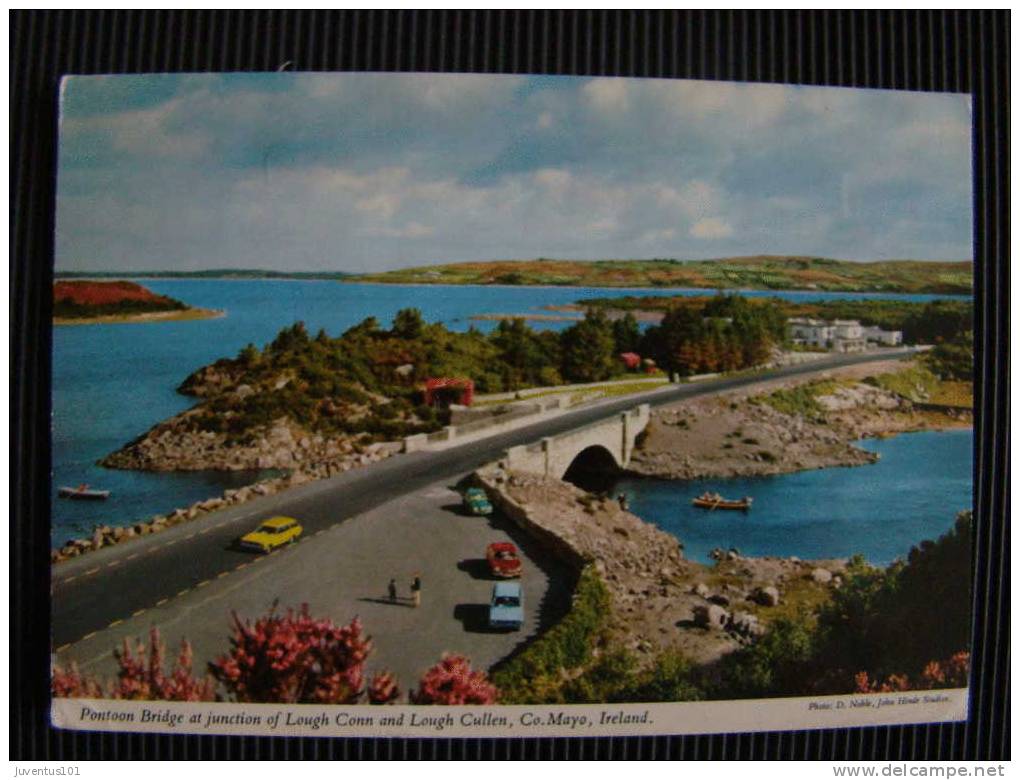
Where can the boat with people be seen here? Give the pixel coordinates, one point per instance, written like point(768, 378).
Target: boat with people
point(83, 492)
point(715, 501)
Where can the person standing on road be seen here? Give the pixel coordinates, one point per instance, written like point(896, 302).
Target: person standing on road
point(392, 590)
point(416, 589)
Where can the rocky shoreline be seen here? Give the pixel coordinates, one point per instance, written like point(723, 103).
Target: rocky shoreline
point(739, 434)
point(176, 315)
point(659, 600)
point(106, 535)
point(179, 445)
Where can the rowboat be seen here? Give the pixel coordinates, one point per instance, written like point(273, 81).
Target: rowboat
point(715, 501)
point(82, 493)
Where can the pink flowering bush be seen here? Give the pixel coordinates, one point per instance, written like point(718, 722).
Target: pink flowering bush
point(294, 658)
point(289, 658)
point(383, 689)
point(452, 681)
point(140, 676)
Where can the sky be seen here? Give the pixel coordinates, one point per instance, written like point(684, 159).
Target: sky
point(370, 172)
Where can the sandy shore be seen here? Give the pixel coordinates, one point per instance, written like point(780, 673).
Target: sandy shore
point(154, 316)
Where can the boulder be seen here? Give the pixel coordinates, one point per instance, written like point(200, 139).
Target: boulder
point(746, 624)
point(821, 576)
point(767, 596)
point(711, 616)
point(701, 589)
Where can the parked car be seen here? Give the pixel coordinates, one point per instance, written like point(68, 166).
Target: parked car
point(506, 608)
point(503, 560)
point(273, 533)
point(476, 502)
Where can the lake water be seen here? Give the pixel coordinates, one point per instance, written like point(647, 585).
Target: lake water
point(111, 383)
point(880, 510)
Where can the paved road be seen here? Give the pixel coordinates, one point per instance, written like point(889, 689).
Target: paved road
point(113, 584)
point(343, 571)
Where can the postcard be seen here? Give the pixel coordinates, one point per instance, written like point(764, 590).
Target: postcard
point(508, 406)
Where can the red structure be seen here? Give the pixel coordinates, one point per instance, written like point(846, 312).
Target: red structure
point(443, 391)
point(631, 360)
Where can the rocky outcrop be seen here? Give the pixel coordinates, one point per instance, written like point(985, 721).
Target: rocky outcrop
point(212, 379)
point(719, 437)
point(178, 444)
point(737, 435)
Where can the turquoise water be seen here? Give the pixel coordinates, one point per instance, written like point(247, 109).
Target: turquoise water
point(111, 383)
point(880, 510)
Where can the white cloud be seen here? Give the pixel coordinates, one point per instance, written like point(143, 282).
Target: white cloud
point(609, 95)
point(358, 171)
point(711, 228)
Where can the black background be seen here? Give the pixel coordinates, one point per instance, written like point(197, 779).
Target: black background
point(951, 51)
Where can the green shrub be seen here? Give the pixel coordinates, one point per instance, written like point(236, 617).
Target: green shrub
point(775, 665)
point(672, 678)
point(535, 675)
point(801, 400)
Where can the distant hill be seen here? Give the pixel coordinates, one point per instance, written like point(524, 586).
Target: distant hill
point(213, 273)
point(761, 272)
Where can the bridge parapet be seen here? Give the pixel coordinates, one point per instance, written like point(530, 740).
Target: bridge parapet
point(553, 455)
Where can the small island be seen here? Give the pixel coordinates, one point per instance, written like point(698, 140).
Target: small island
point(90, 302)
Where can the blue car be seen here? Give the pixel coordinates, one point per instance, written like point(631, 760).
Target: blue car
point(506, 610)
point(476, 502)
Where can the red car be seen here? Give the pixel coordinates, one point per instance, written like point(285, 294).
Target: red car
point(503, 560)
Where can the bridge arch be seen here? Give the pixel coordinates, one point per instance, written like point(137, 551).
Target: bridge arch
point(602, 447)
point(590, 468)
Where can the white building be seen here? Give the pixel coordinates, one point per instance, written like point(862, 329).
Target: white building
point(810, 332)
point(887, 338)
point(849, 336)
point(839, 335)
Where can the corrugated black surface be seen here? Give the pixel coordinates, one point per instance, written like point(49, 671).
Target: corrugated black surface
point(927, 50)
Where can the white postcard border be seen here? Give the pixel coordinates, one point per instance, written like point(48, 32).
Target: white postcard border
point(569, 720)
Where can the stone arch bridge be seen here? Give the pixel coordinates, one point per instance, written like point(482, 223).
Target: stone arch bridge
point(605, 445)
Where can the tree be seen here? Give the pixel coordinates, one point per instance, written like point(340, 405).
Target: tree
point(408, 324)
point(290, 339)
point(672, 343)
point(249, 356)
point(588, 349)
point(626, 334)
point(522, 353)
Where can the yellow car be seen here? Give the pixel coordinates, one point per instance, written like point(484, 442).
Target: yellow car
point(274, 532)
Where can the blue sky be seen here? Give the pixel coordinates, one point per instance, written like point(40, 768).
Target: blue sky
point(358, 172)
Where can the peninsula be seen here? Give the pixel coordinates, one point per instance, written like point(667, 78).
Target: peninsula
point(90, 302)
